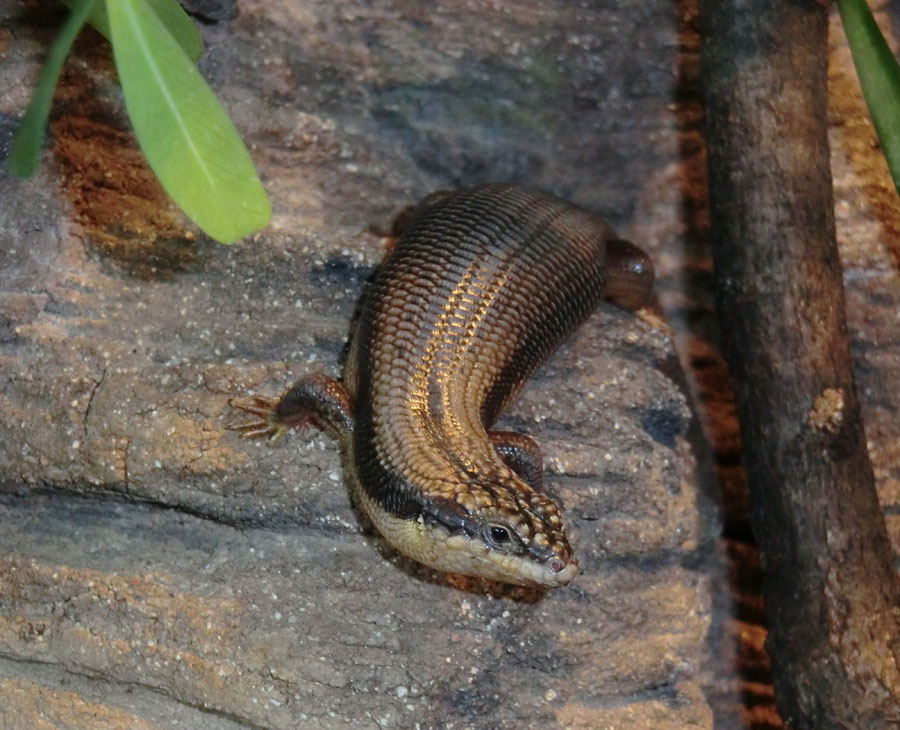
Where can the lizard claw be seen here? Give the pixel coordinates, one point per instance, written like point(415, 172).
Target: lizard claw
point(265, 424)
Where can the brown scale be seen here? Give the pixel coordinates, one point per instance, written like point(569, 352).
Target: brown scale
point(480, 288)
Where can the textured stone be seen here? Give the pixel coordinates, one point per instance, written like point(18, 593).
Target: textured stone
point(148, 548)
point(27, 704)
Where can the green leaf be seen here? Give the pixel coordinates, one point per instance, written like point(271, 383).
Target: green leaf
point(170, 13)
point(188, 139)
point(25, 153)
point(879, 76)
point(180, 26)
point(97, 18)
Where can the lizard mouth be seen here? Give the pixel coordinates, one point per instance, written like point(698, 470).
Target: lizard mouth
point(471, 557)
point(459, 553)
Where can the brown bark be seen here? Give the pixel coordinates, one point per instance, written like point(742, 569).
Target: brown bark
point(830, 587)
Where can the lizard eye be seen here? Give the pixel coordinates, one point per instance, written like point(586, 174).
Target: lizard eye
point(502, 538)
point(499, 535)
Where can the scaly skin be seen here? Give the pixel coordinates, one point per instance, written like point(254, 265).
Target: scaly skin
point(481, 287)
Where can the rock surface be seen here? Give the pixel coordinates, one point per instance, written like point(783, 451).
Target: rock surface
point(157, 570)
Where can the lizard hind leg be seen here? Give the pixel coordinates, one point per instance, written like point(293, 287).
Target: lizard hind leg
point(629, 275)
point(313, 398)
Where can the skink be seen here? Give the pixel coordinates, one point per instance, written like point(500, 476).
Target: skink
point(480, 288)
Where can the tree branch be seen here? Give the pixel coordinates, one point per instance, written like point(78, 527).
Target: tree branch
point(832, 595)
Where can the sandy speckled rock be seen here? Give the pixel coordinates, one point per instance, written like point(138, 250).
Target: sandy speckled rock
point(155, 567)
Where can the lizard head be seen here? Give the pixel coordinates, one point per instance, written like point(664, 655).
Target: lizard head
point(500, 529)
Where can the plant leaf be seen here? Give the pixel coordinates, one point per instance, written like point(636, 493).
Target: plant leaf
point(180, 26)
point(170, 13)
point(25, 153)
point(879, 76)
point(188, 139)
